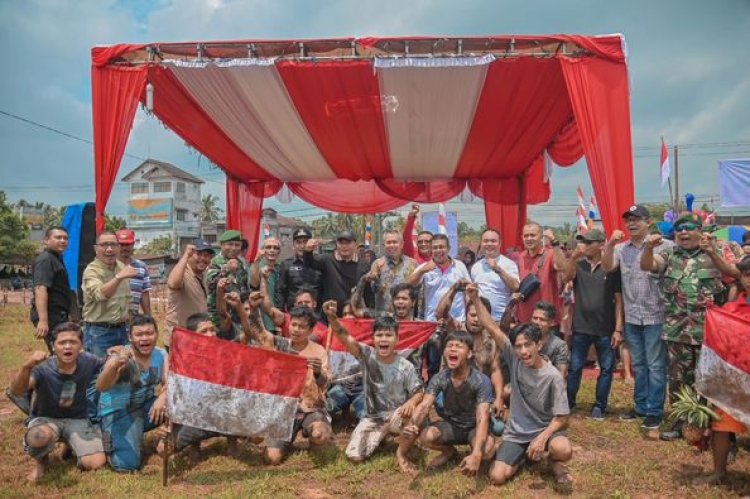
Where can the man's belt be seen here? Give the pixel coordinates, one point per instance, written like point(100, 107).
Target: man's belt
point(107, 325)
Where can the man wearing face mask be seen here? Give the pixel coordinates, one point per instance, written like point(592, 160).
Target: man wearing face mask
point(690, 277)
point(340, 271)
point(295, 275)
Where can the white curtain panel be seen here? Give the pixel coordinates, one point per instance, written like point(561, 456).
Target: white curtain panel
point(429, 107)
point(249, 102)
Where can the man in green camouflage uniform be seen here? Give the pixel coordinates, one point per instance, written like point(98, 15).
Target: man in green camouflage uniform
point(227, 264)
point(690, 278)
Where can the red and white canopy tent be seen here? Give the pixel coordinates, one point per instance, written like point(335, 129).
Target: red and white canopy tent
point(365, 125)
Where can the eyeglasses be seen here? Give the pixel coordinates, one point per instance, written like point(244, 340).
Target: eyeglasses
point(424, 241)
point(108, 245)
point(686, 226)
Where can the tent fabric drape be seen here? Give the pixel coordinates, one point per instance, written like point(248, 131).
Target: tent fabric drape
point(599, 94)
point(245, 209)
point(369, 135)
point(504, 207)
point(115, 94)
point(566, 147)
point(340, 103)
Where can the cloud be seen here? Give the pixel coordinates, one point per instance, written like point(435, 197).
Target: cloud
point(689, 82)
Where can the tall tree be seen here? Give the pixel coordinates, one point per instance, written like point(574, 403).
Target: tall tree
point(14, 243)
point(160, 246)
point(210, 211)
point(113, 223)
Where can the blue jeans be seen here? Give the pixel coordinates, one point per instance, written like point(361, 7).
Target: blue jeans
point(123, 436)
point(605, 354)
point(97, 339)
point(649, 353)
point(339, 398)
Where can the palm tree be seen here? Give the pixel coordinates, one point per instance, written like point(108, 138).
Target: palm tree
point(210, 212)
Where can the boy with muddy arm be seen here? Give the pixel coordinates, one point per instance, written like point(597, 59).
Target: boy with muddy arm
point(392, 389)
point(539, 405)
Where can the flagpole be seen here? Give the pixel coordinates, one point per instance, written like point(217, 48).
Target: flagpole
point(165, 459)
point(676, 179)
point(671, 197)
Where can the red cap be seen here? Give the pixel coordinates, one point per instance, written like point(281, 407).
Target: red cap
point(125, 236)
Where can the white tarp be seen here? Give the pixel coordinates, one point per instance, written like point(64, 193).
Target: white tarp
point(734, 182)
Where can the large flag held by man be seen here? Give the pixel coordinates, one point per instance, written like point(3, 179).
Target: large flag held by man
point(723, 372)
point(231, 388)
point(411, 336)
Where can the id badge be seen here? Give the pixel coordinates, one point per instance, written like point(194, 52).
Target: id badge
point(67, 394)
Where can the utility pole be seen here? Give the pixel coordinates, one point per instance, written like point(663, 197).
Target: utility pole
point(677, 203)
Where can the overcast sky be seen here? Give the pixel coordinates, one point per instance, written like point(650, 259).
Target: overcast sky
point(689, 69)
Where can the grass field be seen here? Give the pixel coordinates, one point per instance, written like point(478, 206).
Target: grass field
point(611, 459)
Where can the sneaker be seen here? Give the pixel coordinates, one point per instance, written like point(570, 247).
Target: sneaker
point(674, 433)
point(651, 423)
point(597, 414)
point(631, 416)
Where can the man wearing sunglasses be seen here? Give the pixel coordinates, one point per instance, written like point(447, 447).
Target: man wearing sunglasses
point(690, 277)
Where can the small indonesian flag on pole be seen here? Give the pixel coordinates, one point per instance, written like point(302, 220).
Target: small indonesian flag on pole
point(266, 231)
point(593, 209)
point(368, 233)
point(442, 227)
point(665, 169)
point(230, 388)
point(411, 336)
point(582, 225)
point(581, 199)
point(723, 371)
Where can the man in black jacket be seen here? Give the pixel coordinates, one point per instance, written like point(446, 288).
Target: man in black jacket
point(295, 275)
point(341, 271)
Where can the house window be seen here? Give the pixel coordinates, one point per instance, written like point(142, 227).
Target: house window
point(180, 189)
point(162, 186)
point(139, 188)
point(182, 215)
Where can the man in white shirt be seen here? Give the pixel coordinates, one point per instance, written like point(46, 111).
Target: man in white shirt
point(438, 276)
point(495, 274)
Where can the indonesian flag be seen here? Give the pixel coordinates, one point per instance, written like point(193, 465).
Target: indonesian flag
point(266, 231)
point(581, 219)
point(581, 199)
point(415, 234)
point(442, 227)
point(368, 233)
point(593, 208)
point(411, 336)
point(723, 372)
point(664, 168)
point(233, 389)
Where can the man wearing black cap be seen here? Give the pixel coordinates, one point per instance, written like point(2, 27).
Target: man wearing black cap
point(187, 291)
point(597, 318)
point(294, 274)
point(643, 303)
point(341, 271)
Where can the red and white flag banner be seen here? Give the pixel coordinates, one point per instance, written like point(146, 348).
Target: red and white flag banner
point(229, 388)
point(411, 336)
point(664, 168)
point(723, 372)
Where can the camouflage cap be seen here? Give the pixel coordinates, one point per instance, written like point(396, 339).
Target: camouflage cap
point(230, 235)
point(688, 218)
